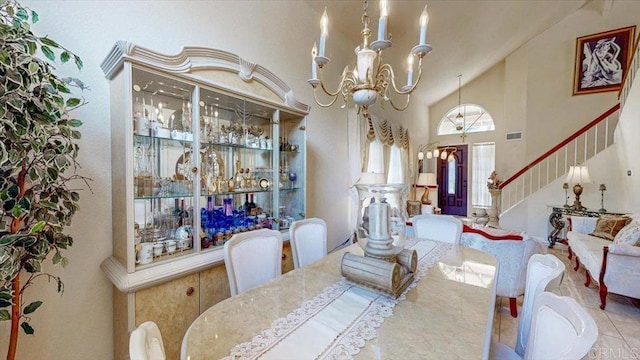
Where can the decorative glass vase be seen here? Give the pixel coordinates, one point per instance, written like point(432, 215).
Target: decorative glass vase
point(382, 218)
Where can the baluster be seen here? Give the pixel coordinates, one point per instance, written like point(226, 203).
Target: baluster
point(586, 140)
point(606, 131)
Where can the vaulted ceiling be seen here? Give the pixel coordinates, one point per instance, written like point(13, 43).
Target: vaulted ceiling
point(468, 36)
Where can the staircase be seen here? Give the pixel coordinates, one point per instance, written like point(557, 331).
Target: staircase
point(585, 143)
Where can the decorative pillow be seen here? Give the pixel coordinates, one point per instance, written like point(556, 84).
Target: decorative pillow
point(629, 234)
point(492, 234)
point(608, 226)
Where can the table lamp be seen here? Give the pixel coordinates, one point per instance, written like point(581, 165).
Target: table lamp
point(578, 175)
point(602, 189)
point(423, 180)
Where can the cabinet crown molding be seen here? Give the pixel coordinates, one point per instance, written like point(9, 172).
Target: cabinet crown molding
point(192, 59)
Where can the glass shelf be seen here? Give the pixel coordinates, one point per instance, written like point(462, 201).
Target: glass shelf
point(239, 192)
point(228, 145)
point(290, 189)
point(163, 140)
point(169, 196)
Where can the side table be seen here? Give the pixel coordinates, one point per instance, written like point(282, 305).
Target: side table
point(556, 219)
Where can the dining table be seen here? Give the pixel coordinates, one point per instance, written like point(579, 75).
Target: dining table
point(313, 312)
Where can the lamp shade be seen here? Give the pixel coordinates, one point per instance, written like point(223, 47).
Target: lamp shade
point(371, 178)
point(423, 179)
point(578, 175)
point(431, 179)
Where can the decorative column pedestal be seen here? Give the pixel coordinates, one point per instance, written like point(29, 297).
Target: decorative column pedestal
point(495, 208)
point(385, 267)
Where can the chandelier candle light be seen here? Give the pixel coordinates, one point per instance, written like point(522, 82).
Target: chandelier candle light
point(365, 83)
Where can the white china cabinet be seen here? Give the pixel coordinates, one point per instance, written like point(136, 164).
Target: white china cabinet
point(204, 144)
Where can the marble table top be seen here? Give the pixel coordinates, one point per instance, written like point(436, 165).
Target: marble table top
point(449, 315)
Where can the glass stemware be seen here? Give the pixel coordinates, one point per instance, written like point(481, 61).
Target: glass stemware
point(292, 178)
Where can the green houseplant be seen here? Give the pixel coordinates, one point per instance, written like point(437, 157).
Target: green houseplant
point(38, 164)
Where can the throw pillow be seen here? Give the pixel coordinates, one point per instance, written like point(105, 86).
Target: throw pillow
point(629, 234)
point(608, 226)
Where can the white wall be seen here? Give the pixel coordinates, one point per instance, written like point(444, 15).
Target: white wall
point(532, 92)
point(78, 324)
point(626, 137)
point(552, 113)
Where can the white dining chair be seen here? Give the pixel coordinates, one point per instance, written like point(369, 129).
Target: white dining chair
point(145, 343)
point(544, 273)
point(445, 228)
point(560, 329)
point(252, 258)
point(308, 239)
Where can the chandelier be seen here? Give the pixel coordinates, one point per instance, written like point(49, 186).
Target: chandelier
point(459, 122)
point(370, 79)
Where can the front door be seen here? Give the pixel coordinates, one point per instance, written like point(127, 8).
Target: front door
point(452, 181)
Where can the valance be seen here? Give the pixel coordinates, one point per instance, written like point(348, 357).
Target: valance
point(388, 132)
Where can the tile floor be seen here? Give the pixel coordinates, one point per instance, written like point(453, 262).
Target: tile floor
point(618, 324)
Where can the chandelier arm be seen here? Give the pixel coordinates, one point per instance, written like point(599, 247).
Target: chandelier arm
point(401, 108)
point(386, 68)
point(315, 96)
point(332, 93)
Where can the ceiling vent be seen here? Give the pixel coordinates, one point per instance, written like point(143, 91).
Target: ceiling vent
point(514, 136)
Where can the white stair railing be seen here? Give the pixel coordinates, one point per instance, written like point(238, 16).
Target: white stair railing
point(577, 148)
point(630, 75)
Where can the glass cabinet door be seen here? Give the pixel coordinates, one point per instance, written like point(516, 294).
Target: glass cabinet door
point(291, 172)
point(207, 165)
point(236, 177)
point(162, 167)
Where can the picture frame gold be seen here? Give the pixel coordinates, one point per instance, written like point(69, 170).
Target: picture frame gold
point(601, 60)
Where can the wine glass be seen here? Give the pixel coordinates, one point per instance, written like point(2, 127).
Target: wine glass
point(292, 178)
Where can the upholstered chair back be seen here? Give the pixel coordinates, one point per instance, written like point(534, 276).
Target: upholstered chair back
point(445, 228)
point(252, 258)
point(560, 329)
point(308, 239)
point(544, 273)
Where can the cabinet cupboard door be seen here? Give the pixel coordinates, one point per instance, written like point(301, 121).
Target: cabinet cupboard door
point(287, 258)
point(173, 305)
point(214, 286)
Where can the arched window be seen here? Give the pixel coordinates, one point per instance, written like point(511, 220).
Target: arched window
point(476, 119)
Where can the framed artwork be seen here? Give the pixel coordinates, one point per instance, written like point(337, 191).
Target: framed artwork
point(601, 60)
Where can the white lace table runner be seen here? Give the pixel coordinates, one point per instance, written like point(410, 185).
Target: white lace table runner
point(336, 323)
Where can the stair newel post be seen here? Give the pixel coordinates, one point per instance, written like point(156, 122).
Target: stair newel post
point(495, 207)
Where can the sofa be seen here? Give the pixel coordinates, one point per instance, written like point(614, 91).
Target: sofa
point(609, 250)
point(512, 250)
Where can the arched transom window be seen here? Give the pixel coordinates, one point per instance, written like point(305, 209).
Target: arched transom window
point(476, 119)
